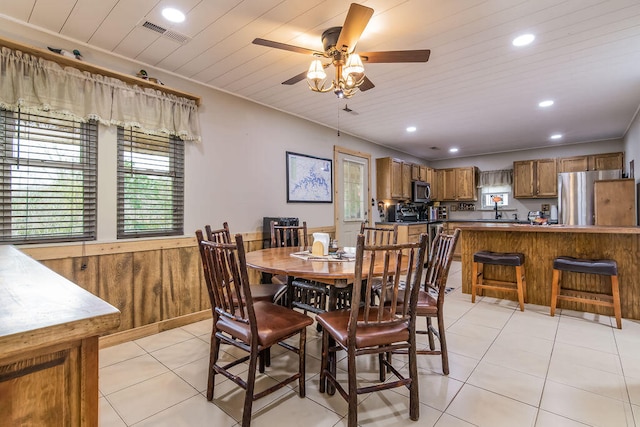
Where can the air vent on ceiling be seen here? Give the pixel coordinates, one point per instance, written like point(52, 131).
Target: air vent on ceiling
point(434, 148)
point(171, 34)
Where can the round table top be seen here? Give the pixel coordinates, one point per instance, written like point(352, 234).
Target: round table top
point(280, 261)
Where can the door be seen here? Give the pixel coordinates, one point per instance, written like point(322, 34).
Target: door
point(352, 194)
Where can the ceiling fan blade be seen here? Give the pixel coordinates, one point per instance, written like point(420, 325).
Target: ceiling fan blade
point(295, 79)
point(396, 56)
point(284, 46)
point(366, 84)
point(357, 19)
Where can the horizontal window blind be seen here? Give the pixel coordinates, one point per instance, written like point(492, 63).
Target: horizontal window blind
point(150, 184)
point(48, 178)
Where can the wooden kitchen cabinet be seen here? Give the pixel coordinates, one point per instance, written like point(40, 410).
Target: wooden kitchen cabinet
point(535, 179)
point(592, 162)
point(415, 172)
point(606, 161)
point(459, 184)
point(406, 181)
point(437, 185)
point(424, 173)
point(388, 178)
point(573, 164)
point(407, 232)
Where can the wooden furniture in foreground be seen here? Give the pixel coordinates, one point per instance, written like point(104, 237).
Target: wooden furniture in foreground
point(614, 202)
point(541, 245)
point(376, 328)
point(49, 330)
point(479, 282)
point(251, 326)
point(435, 280)
point(604, 267)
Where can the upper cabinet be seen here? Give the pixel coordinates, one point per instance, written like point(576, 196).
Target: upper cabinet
point(573, 164)
point(457, 184)
point(606, 161)
point(592, 162)
point(535, 179)
point(406, 181)
point(393, 179)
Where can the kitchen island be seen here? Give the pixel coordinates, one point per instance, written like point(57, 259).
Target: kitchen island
point(541, 244)
point(49, 329)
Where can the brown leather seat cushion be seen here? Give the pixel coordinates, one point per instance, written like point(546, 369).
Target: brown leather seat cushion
point(274, 322)
point(427, 305)
point(265, 291)
point(336, 322)
point(607, 267)
point(499, 258)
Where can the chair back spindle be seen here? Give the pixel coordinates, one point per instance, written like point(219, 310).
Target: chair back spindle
point(288, 235)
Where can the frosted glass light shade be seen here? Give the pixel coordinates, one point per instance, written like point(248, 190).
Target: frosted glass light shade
point(316, 71)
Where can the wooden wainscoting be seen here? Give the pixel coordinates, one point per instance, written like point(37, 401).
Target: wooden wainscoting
point(157, 284)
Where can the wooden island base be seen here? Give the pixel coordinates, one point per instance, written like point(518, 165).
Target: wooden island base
point(542, 244)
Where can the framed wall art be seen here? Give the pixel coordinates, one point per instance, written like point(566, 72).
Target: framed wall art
point(309, 179)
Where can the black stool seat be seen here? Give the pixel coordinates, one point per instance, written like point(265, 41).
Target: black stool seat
point(606, 267)
point(499, 258)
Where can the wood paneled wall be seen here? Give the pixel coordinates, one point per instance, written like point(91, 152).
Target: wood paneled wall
point(156, 284)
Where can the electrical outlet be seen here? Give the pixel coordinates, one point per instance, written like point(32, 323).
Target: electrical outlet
point(545, 207)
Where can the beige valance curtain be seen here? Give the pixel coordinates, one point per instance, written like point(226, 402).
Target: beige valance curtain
point(30, 83)
point(495, 178)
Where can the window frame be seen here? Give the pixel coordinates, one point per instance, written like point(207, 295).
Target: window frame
point(134, 142)
point(45, 143)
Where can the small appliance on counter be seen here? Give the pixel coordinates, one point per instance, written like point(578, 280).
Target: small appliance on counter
point(402, 212)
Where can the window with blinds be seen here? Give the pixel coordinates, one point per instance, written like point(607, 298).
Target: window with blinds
point(150, 184)
point(47, 178)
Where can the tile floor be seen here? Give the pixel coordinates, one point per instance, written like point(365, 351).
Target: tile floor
point(508, 368)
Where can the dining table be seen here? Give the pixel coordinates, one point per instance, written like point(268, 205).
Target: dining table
point(295, 262)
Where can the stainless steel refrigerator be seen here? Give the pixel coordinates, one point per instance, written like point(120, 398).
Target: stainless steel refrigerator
point(575, 195)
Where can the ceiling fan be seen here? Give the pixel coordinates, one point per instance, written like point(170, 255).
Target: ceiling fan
point(339, 47)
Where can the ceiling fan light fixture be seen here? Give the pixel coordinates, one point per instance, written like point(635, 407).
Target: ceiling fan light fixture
point(354, 65)
point(316, 71)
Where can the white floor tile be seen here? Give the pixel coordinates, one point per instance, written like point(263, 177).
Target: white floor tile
point(193, 412)
point(487, 409)
point(129, 372)
point(120, 352)
point(588, 379)
point(547, 419)
point(180, 354)
point(147, 398)
point(508, 382)
point(586, 407)
point(163, 339)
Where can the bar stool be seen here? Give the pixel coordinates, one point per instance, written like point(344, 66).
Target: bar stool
point(498, 258)
point(605, 267)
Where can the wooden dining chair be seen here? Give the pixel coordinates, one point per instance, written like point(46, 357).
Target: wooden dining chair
point(262, 291)
point(379, 235)
point(251, 326)
point(305, 294)
point(375, 328)
point(431, 297)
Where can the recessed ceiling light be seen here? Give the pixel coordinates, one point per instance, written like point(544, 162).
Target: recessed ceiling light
point(547, 103)
point(556, 136)
point(173, 15)
point(523, 40)
point(453, 150)
point(411, 129)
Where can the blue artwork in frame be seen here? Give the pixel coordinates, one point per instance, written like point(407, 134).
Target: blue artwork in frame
point(309, 179)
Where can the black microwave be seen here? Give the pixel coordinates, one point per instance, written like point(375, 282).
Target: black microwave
point(421, 192)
